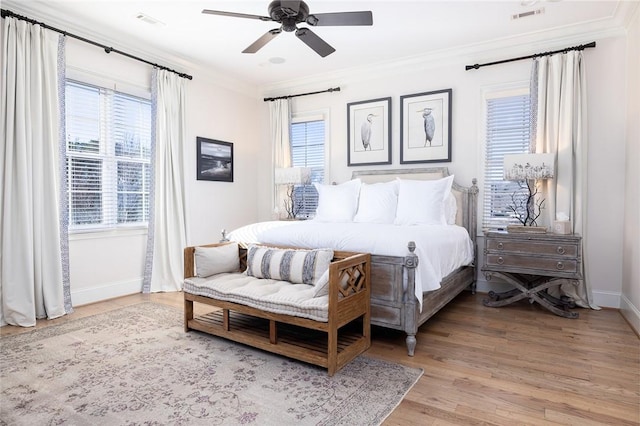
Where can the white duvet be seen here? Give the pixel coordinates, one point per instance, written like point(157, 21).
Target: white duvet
point(441, 249)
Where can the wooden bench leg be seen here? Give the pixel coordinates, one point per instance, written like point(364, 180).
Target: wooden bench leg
point(225, 319)
point(188, 313)
point(273, 332)
point(332, 351)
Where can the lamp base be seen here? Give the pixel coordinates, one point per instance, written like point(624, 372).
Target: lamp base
point(521, 229)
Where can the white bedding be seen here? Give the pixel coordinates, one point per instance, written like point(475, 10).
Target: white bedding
point(441, 249)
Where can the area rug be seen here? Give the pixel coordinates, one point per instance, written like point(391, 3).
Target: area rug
point(137, 366)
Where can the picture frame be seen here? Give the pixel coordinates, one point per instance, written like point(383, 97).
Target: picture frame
point(369, 132)
point(214, 160)
point(425, 136)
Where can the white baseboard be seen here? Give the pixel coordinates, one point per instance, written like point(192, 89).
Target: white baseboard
point(606, 299)
point(631, 313)
point(106, 291)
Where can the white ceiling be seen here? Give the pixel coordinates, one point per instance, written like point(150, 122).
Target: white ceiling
point(188, 39)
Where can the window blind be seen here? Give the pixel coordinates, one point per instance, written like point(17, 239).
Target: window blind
point(508, 132)
point(307, 150)
point(108, 157)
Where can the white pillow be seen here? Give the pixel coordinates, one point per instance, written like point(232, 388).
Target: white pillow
point(216, 260)
point(377, 203)
point(295, 266)
point(421, 202)
point(321, 288)
point(337, 203)
point(450, 208)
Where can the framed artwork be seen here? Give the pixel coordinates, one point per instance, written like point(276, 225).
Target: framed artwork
point(425, 136)
point(214, 160)
point(369, 132)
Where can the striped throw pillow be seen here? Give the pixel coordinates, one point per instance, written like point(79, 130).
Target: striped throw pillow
point(295, 266)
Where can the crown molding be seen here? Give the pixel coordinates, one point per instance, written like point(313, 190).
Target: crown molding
point(45, 12)
point(480, 52)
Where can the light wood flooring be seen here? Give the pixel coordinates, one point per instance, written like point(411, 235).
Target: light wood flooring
point(513, 365)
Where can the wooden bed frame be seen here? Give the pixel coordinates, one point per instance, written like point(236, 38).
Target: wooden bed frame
point(393, 302)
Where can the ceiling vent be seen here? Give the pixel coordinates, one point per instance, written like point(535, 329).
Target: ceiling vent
point(148, 19)
point(527, 14)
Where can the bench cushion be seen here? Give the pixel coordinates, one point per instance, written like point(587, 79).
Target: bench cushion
point(280, 297)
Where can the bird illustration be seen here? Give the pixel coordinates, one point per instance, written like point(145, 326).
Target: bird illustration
point(429, 125)
point(365, 132)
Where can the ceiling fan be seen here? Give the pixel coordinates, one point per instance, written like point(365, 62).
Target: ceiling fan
point(291, 13)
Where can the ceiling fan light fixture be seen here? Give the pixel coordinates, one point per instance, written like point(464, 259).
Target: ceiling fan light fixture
point(290, 13)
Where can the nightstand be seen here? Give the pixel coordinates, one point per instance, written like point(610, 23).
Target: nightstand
point(533, 263)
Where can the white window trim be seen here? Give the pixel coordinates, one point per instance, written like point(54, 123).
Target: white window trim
point(321, 114)
point(102, 81)
point(105, 81)
point(490, 92)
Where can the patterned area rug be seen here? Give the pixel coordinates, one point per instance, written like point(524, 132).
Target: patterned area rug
point(136, 366)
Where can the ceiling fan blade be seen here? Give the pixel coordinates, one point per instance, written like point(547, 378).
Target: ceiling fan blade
point(309, 38)
point(293, 5)
point(340, 18)
point(236, 15)
point(259, 43)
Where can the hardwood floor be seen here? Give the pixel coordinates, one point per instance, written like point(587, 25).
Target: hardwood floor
point(518, 364)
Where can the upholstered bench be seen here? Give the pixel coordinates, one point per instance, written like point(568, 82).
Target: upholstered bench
point(310, 305)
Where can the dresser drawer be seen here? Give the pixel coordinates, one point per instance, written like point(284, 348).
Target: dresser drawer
point(539, 264)
point(530, 247)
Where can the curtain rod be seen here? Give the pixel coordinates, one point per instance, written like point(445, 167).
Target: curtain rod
point(535, 55)
point(107, 49)
point(334, 89)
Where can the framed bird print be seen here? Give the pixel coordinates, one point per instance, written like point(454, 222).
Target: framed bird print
point(369, 132)
point(425, 136)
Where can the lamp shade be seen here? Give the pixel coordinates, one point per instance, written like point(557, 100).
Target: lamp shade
point(292, 175)
point(529, 166)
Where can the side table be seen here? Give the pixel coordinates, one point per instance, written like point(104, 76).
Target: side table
point(533, 263)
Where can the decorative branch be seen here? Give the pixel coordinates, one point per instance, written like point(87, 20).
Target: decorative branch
point(524, 207)
point(291, 207)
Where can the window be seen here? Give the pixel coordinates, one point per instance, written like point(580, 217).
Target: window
point(307, 150)
point(507, 132)
point(108, 157)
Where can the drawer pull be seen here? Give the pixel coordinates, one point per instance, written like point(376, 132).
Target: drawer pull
point(560, 265)
point(560, 250)
point(500, 246)
point(500, 260)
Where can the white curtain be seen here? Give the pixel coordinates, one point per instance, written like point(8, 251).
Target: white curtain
point(280, 116)
point(167, 225)
point(31, 274)
point(559, 108)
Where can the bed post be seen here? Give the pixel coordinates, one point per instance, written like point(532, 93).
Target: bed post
point(410, 308)
point(473, 228)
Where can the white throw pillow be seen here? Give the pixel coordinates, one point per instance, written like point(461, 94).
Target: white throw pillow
point(216, 260)
point(450, 208)
point(377, 203)
point(421, 202)
point(321, 288)
point(295, 266)
point(337, 203)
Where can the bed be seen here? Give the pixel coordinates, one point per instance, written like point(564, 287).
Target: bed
point(412, 276)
